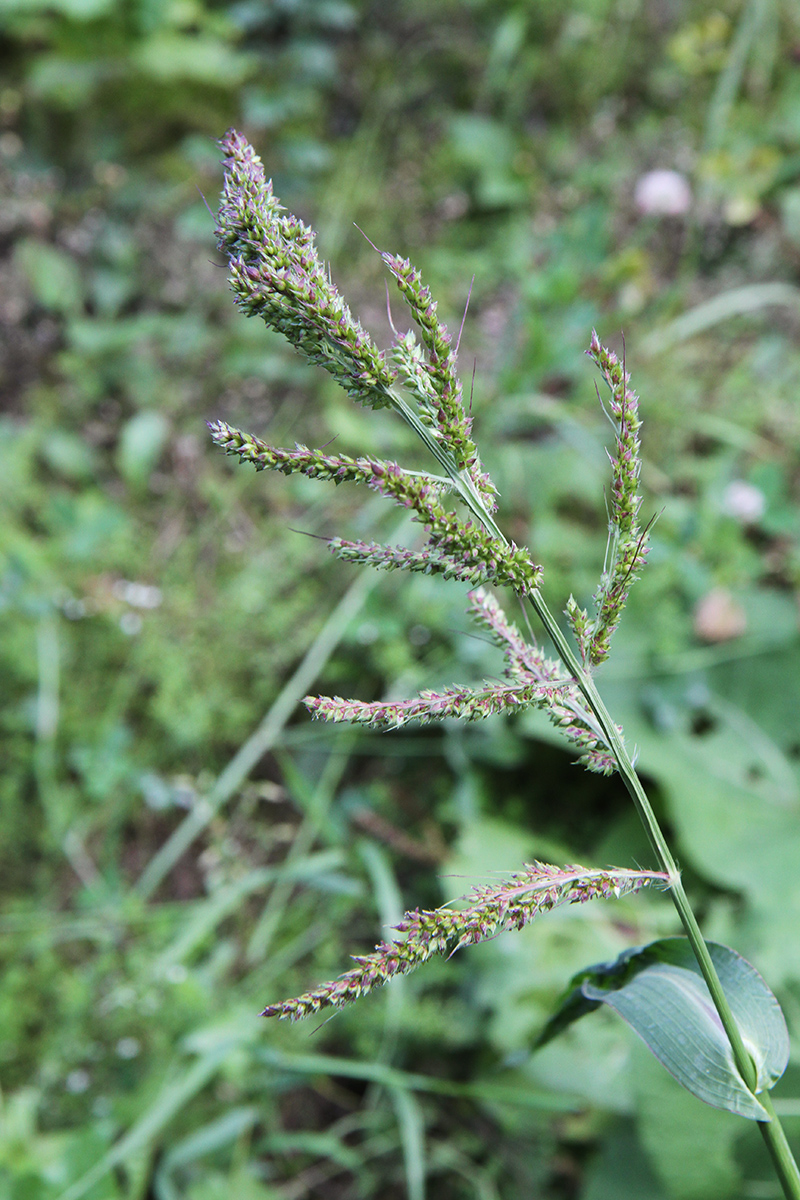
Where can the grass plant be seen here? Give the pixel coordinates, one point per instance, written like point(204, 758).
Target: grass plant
point(735, 1029)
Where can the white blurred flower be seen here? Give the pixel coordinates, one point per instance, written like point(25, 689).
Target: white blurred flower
point(128, 1047)
point(138, 595)
point(77, 1081)
point(130, 623)
point(744, 501)
point(663, 193)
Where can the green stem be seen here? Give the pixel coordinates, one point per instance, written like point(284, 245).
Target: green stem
point(771, 1129)
point(648, 818)
point(779, 1149)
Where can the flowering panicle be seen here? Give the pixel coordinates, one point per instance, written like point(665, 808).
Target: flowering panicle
point(627, 543)
point(276, 274)
point(489, 911)
point(526, 664)
point(434, 381)
point(463, 703)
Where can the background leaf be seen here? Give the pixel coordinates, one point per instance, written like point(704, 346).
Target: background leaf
point(504, 142)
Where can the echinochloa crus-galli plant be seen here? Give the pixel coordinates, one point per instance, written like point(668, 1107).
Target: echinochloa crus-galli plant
point(277, 274)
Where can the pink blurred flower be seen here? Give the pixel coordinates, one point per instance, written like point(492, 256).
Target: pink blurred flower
point(663, 193)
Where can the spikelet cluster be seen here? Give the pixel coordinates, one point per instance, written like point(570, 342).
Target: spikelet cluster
point(462, 703)
point(456, 545)
point(526, 665)
point(627, 543)
point(488, 911)
point(433, 378)
point(276, 274)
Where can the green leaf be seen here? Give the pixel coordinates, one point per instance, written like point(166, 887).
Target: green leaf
point(196, 57)
point(53, 276)
point(694, 1158)
point(659, 991)
point(141, 442)
point(734, 776)
point(620, 1168)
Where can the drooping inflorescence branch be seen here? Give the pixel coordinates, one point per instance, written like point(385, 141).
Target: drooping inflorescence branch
point(489, 911)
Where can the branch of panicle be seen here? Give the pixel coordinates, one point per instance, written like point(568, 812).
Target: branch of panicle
point(489, 911)
point(462, 703)
point(435, 381)
point(457, 546)
point(400, 558)
point(341, 468)
point(527, 664)
point(628, 547)
point(276, 274)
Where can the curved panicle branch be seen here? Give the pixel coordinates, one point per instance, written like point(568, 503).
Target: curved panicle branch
point(488, 911)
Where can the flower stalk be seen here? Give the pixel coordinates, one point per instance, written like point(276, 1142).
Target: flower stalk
point(276, 273)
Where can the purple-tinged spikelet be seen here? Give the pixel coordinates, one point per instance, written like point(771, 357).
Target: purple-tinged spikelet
point(489, 911)
point(277, 275)
point(527, 664)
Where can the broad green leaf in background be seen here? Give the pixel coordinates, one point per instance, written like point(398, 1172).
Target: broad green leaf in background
point(691, 1152)
point(659, 991)
point(726, 767)
point(141, 442)
point(621, 1169)
point(52, 275)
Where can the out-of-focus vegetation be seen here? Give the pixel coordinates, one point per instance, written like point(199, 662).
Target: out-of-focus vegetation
point(178, 845)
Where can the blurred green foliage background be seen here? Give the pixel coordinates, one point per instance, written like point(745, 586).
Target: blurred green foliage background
point(178, 844)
